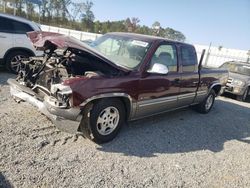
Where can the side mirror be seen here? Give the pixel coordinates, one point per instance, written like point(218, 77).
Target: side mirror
point(158, 68)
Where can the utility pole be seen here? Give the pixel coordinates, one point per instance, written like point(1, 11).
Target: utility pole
point(248, 58)
point(39, 18)
point(4, 6)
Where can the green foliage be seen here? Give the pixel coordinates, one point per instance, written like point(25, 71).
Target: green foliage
point(173, 34)
point(88, 16)
point(79, 16)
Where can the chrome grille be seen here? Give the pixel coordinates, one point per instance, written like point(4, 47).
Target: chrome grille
point(229, 80)
point(229, 84)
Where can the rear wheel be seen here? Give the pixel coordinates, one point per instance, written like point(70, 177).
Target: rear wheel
point(104, 121)
point(205, 106)
point(13, 60)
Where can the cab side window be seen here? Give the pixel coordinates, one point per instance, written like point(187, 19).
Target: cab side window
point(189, 59)
point(166, 55)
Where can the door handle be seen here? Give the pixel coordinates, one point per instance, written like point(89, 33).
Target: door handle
point(3, 37)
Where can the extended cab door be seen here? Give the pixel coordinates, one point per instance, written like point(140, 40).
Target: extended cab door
point(6, 36)
point(189, 74)
point(158, 92)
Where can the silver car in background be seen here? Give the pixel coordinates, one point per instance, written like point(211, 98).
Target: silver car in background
point(239, 79)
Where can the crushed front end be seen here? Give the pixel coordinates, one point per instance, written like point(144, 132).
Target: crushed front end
point(58, 82)
point(41, 84)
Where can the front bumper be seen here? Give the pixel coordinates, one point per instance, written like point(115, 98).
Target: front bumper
point(222, 90)
point(67, 120)
point(234, 89)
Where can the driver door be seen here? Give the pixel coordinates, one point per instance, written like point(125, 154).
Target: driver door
point(158, 92)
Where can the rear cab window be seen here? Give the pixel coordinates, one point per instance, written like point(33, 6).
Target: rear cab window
point(188, 58)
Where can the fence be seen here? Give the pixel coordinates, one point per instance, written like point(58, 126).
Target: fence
point(214, 56)
point(73, 33)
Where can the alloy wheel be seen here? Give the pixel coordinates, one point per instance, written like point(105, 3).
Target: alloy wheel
point(209, 102)
point(107, 120)
point(15, 62)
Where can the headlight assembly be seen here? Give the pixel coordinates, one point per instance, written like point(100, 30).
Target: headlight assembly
point(238, 82)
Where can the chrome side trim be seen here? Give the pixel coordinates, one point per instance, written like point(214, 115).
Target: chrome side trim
point(200, 93)
point(156, 101)
point(160, 112)
point(188, 95)
point(169, 99)
point(151, 106)
point(164, 104)
point(109, 95)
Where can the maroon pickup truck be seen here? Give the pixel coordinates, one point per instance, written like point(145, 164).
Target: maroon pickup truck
point(119, 77)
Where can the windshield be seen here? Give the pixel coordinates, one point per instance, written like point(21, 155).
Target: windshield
point(123, 51)
point(237, 68)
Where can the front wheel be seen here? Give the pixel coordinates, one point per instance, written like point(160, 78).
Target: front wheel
point(104, 121)
point(205, 106)
point(244, 96)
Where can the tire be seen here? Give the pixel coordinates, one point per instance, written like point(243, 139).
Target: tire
point(14, 57)
point(206, 105)
point(104, 121)
point(244, 96)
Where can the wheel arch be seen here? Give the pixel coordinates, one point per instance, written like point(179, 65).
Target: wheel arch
point(125, 99)
point(216, 87)
point(29, 51)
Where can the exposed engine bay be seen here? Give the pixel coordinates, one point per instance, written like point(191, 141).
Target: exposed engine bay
point(45, 75)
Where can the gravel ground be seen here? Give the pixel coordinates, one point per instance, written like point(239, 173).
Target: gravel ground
point(177, 149)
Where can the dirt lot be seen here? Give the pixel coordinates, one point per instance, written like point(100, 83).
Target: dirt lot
point(177, 149)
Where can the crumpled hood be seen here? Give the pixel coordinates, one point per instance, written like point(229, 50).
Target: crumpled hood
point(39, 39)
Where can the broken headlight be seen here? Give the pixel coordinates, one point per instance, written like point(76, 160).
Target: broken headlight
point(62, 93)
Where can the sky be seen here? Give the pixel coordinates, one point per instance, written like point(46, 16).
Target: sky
point(223, 22)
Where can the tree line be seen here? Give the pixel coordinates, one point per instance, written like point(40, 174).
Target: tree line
point(79, 16)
